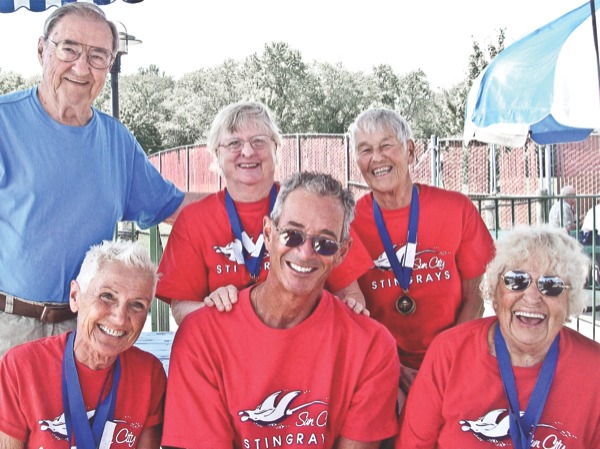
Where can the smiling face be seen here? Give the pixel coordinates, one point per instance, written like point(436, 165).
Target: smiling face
point(383, 161)
point(300, 270)
point(248, 169)
point(111, 312)
point(528, 319)
point(69, 88)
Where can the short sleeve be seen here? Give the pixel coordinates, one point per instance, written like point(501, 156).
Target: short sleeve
point(151, 199)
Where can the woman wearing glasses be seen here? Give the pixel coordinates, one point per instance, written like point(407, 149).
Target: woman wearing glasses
point(521, 378)
point(216, 246)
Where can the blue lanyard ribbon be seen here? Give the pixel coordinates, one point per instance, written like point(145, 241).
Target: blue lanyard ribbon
point(253, 264)
point(76, 419)
point(523, 427)
point(402, 271)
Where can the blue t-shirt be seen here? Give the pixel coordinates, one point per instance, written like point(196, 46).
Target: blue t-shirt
point(62, 190)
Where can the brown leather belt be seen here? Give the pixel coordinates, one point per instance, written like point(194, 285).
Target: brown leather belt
point(46, 312)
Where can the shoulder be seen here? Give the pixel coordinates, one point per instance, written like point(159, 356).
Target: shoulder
point(463, 334)
point(111, 123)
point(364, 209)
point(586, 348)
point(358, 327)
point(142, 361)
point(208, 203)
point(15, 97)
point(36, 353)
point(364, 201)
point(430, 193)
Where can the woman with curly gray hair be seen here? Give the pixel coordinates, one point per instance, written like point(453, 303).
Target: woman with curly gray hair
point(512, 376)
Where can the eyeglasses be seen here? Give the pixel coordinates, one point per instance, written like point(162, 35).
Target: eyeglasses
point(292, 238)
point(257, 143)
point(69, 51)
point(518, 281)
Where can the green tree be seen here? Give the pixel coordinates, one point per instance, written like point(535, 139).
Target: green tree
point(196, 99)
point(280, 79)
point(386, 86)
point(416, 104)
point(141, 105)
point(12, 81)
point(339, 96)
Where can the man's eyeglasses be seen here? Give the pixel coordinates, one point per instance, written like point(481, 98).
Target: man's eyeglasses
point(292, 238)
point(519, 281)
point(69, 51)
point(258, 143)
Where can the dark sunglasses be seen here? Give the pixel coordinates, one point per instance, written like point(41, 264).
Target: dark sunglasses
point(518, 281)
point(293, 238)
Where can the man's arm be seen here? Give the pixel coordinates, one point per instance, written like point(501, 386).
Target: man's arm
point(188, 197)
point(345, 443)
point(8, 442)
point(180, 309)
point(472, 303)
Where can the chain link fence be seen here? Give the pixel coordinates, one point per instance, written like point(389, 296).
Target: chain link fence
point(509, 186)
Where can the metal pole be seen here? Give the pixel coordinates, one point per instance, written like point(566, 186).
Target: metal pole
point(548, 153)
point(493, 180)
point(434, 160)
point(114, 85)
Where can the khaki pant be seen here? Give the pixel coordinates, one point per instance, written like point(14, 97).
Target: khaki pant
point(17, 329)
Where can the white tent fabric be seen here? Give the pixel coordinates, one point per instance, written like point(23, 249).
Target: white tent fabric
point(7, 6)
point(544, 86)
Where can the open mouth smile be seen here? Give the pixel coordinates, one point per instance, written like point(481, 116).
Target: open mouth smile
point(111, 332)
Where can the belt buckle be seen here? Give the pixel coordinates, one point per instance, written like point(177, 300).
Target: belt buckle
point(48, 307)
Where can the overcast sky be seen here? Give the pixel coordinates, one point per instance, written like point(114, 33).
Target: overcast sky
point(181, 36)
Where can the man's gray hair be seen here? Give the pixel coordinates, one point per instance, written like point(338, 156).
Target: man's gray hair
point(567, 191)
point(130, 254)
point(85, 10)
point(553, 250)
point(380, 119)
point(321, 184)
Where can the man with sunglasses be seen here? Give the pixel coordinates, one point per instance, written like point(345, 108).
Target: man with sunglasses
point(290, 365)
point(68, 175)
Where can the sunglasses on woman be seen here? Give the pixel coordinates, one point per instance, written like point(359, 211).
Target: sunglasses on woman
point(518, 281)
point(292, 238)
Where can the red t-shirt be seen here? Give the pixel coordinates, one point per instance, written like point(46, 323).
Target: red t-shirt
point(31, 407)
point(458, 401)
point(235, 382)
point(453, 244)
point(202, 253)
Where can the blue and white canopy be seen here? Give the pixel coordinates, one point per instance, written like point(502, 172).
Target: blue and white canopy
point(42, 5)
point(544, 86)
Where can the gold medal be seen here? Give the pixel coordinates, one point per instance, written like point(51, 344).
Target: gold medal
point(405, 305)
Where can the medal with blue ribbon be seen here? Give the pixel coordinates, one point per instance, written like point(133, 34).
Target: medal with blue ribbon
point(252, 258)
point(522, 428)
point(76, 416)
point(402, 268)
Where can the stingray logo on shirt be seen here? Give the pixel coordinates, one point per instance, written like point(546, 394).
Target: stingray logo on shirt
point(292, 422)
point(268, 412)
point(58, 428)
point(493, 427)
point(234, 250)
point(429, 266)
point(383, 263)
